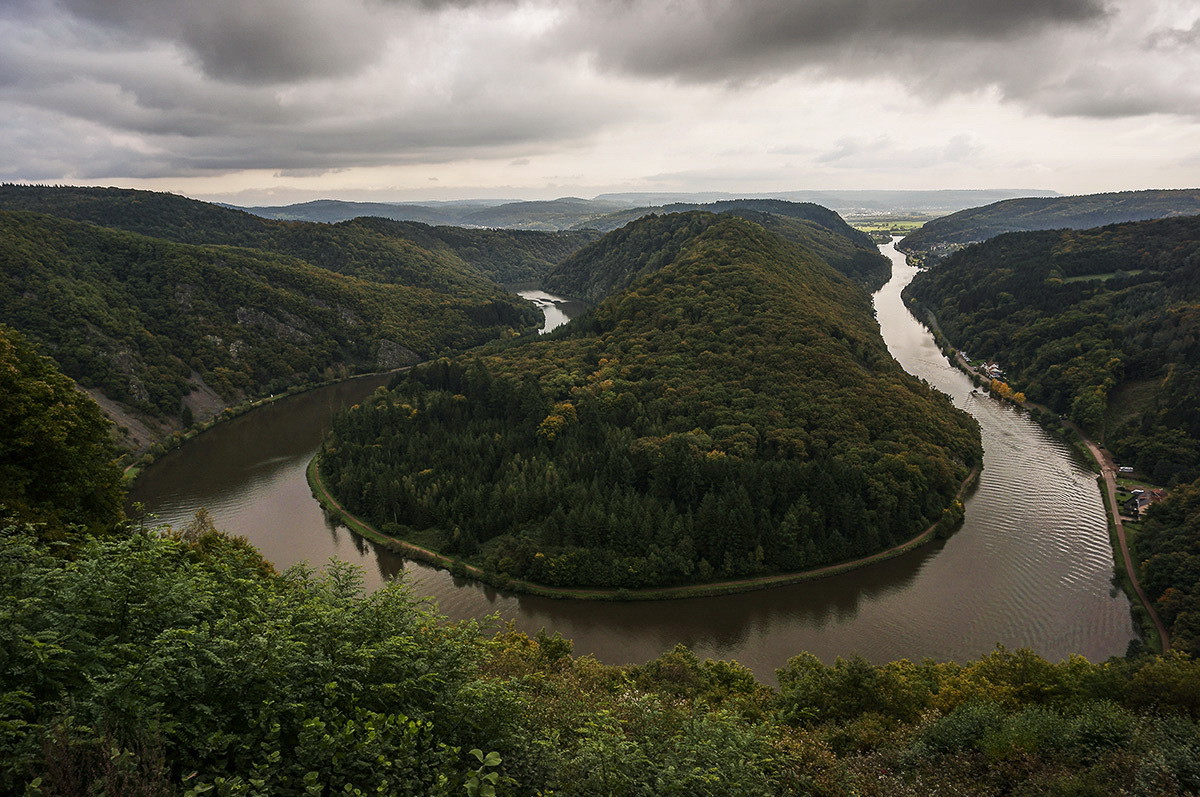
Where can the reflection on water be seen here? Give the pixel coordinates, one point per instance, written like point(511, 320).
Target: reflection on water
point(556, 309)
point(1030, 567)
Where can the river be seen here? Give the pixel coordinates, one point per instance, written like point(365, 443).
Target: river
point(1030, 567)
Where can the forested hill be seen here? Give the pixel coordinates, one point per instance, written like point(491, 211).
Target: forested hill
point(733, 412)
point(505, 255)
point(56, 451)
point(376, 249)
point(615, 261)
point(1102, 324)
point(176, 331)
point(1049, 213)
point(848, 250)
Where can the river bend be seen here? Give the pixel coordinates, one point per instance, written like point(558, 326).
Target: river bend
point(1031, 565)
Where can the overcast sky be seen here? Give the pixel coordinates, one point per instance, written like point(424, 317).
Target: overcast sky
point(276, 101)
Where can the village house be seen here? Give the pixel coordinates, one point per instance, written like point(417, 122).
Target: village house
point(1139, 501)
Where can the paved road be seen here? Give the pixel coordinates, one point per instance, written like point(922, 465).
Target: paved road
point(1108, 470)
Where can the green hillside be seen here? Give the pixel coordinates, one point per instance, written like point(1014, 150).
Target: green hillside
point(850, 251)
point(376, 249)
point(56, 450)
point(148, 321)
point(506, 256)
point(1168, 544)
point(1049, 213)
point(732, 412)
point(1102, 325)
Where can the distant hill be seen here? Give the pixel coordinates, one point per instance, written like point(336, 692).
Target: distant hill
point(556, 214)
point(175, 330)
point(1103, 325)
point(616, 260)
point(504, 255)
point(846, 201)
point(732, 411)
point(335, 210)
point(574, 212)
point(1051, 213)
point(545, 215)
point(410, 254)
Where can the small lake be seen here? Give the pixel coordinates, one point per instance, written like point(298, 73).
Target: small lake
point(1031, 566)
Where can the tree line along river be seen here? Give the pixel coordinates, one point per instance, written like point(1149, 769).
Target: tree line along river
point(1030, 567)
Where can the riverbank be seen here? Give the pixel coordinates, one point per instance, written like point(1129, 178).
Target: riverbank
point(459, 568)
point(1150, 625)
point(176, 439)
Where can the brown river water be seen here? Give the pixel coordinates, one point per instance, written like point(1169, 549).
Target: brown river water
point(1031, 566)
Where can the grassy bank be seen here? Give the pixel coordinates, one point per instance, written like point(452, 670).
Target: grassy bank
point(457, 567)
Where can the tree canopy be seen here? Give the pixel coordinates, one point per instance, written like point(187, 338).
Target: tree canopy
point(1102, 325)
point(57, 457)
point(732, 412)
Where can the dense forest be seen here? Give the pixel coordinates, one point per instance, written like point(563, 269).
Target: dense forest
point(818, 228)
point(1168, 544)
point(1102, 325)
point(56, 447)
point(440, 258)
point(148, 322)
point(1049, 213)
point(733, 412)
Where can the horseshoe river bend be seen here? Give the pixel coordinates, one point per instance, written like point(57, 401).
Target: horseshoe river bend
point(1030, 567)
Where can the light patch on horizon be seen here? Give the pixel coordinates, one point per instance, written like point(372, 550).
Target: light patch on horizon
point(288, 100)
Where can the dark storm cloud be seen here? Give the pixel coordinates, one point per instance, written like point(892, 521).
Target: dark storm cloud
point(721, 40)
point(249, 41)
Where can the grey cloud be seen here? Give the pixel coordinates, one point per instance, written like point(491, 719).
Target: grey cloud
point(252, 41)
point(722, 40)
point(145, 109)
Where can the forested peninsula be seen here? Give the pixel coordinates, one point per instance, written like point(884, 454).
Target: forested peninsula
point(731, 412)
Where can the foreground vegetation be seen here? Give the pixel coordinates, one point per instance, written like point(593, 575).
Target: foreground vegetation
point(732, 413)
point(152, 663)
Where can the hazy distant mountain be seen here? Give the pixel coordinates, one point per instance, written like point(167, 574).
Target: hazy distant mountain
point(866, 201)
point(334, 210)
point(1073, 212)
point(548, 215)
point(574, 212)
